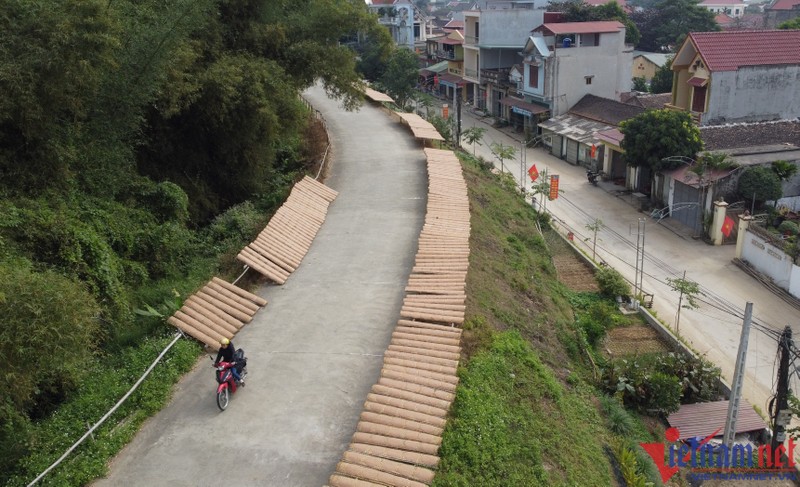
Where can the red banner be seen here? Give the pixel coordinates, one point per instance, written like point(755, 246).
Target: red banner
point(534, 173)
point(727, 226)
point(553, 187)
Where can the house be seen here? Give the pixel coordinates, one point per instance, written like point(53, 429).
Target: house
point(566, 61)
point(450, 48)
point(406, 23)
point(647, 100)
point(738, 76)
point(573, 136)
point(494, 34)
point(734, 8)
point(688, 197)
point(780, 11)
point(645, 64)
point(749, 21)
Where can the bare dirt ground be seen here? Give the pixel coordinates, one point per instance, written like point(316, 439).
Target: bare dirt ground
point(572, 271)
point(633, 340)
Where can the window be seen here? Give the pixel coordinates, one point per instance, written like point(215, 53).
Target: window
point(588, 79)
point(533, 76)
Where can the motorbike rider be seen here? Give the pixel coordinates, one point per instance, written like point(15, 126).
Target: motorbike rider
point(227, 353)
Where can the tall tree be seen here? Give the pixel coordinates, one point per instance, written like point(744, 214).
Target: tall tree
point(401, 75)
point(666, 25)
point(654, 135)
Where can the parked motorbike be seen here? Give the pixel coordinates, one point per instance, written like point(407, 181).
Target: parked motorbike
point(227, 384)
point(592, 176)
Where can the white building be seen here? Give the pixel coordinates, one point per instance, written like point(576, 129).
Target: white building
point(734, 8)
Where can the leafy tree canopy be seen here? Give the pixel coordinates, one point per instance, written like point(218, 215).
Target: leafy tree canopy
point(579, 11)
point(790, 24)
point(664, 26)
point(662, 80)
point(654, 135)
point(401, 75)
point(759, 184)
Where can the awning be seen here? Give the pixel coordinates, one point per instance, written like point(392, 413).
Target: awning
point(450, 80)
point(434, 69)
point(684, 175)
point(703, 419)
point(522, 107)
point(698, 82)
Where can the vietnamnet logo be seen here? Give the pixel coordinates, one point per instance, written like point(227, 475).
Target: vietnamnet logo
point(717, 462)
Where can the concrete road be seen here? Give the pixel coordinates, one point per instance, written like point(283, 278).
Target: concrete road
point(714, 328)
point(317, 347)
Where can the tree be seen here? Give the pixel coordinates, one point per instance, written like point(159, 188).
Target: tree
point(790, 24)
point(759, 184)
point(664, 26)
point(655, 135)
point(579, 11)
point(594, 227)
point(662, 80)
point(687, 288)
point(503, 152)
point(374, 53)
point(400, 77)
point(784, 169)
point(640, 84)
point(473, 136)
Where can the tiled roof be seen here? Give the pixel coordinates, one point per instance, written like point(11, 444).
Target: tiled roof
point(723, 19)
point(599, 26)
point(603, 2)
point(654, 57)
point(719, 137)
point(783, 5)
point(604, 110)
point(727, 51)
point(575, 127)
point(455, 24)
point(650, 101)
point(722, 2)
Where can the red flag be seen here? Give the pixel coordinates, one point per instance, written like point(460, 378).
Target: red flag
point(593, 152)
point(727, 226)
point(534, 173)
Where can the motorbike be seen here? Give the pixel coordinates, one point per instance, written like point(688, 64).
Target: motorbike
point(227, 384)
point(592, 176)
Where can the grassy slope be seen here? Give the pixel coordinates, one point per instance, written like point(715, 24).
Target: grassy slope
point(522, 415)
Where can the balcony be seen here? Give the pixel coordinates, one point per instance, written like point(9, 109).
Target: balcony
point(449, 55)
point(471, 73)
point(697, 116)
point(495, 76)
point(471, 41)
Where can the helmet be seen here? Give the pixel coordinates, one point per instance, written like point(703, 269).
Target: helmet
point(224, 342)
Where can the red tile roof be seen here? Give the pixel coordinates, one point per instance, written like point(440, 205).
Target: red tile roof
point(600, 26)
point(728, 51)
point(783, 4)
point(724, 19)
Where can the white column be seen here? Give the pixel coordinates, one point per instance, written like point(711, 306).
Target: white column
point(744, 223)
point(720, 210)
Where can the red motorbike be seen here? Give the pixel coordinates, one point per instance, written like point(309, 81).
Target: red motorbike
point(227, 383)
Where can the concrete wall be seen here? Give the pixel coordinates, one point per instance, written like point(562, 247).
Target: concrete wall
point(505, 28)
point(768, 260)
point(752, 94)
point(499, 58)
point(609, 64)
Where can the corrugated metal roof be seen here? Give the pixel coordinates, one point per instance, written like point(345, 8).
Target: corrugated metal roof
point(703, 419)
point(600, 26)
point(728, 51)
point(574, 127)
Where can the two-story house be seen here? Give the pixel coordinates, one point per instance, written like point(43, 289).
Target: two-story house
point(404, 21)
point(449, 48)
point(494, 34)
point(734, 8)
point(563, 62)
point(738, 76)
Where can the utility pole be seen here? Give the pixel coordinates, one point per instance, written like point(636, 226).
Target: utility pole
point(781, 413)
point(639, 273)
point(738, 378)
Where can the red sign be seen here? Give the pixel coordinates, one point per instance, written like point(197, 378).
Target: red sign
point(594, 151)
point(553, 187)
point(445, 111)
point(534, 173)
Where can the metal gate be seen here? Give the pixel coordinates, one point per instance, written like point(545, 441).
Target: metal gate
point(572, 151)
point(685, 206)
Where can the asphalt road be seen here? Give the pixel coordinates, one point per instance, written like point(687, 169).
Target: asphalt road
point(316, 348)
point(714, 328)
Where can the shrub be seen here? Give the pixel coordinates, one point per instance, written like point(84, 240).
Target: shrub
point(789, 228)
point(759, 183)
point(619, 420)
point(611, 283)
point(664, 392)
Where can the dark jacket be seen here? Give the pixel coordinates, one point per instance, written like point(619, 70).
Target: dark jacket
point(226, 354)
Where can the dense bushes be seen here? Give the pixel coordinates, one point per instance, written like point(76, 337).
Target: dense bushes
point(611, 283)
point(661, 382)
